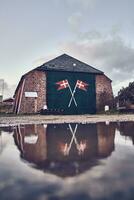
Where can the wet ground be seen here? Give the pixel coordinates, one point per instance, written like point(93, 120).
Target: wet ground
point(12, 120)
point(67, 161)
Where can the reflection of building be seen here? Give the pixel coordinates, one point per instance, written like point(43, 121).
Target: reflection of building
point(72, 135)
point(31, 141)
point(65, 149)
point(127, 129)
point(106, 136)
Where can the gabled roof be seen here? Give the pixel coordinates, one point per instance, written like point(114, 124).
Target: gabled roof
point(8, 99)
point(64, 63)
point(67, 63)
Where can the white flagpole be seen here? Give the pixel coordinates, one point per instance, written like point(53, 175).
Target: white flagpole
point(73, 134)
point(72, 97)
point(73, 137)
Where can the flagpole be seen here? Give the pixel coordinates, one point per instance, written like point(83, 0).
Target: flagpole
point(73, 133)
point(73, 96)
point(73, 136)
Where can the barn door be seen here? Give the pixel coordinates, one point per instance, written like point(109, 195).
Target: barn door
point(74, 93)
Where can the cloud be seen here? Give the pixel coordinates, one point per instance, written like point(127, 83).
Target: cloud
point(79, 7)
point(82, 4)
point(107, 52)
point(75, 20)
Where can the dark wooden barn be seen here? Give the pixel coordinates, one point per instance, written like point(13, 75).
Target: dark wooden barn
point(65, 85)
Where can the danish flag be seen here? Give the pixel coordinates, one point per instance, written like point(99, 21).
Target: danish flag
point(81, 85)
point(62, 84)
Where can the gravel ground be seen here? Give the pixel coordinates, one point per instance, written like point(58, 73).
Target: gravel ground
point(49, 119)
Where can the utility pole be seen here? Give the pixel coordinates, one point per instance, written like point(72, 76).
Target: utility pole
point(2, 88)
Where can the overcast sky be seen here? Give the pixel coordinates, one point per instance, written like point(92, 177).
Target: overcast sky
point(99, 32)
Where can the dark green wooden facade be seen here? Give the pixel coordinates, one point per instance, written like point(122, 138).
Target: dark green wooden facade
point(59, 99)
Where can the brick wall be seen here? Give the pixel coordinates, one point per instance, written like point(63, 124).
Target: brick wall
point(34, 81)
point(104, 93)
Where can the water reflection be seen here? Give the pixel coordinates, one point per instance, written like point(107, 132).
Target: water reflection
point(96, 161)
point(127, 129)
point(3, 141)
point(65, 149)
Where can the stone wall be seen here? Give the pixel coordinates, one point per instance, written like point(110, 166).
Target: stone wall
point(34, 81)
point(104, 92)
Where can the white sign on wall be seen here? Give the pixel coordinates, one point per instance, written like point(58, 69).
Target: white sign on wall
point(31, 94)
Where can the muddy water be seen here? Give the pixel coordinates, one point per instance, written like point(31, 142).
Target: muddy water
point(67, 161)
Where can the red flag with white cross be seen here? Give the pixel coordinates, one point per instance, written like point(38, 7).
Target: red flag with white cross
point(81, 85)
point(62, 84)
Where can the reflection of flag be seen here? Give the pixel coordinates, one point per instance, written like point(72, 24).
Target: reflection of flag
point(62, 84)
point(81, 85)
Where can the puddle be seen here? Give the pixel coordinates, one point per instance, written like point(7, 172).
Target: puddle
point(67, 161)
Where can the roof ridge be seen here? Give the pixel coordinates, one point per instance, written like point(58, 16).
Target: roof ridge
point(82, 62)
point(60, 63)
